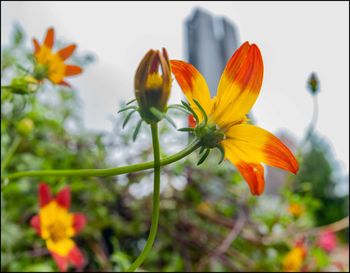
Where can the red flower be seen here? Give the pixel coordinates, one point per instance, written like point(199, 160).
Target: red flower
point(56, 226)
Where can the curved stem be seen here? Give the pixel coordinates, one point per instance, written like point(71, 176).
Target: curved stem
point(156, 198)
point(10, 153)
point(108, 172)
point(312, 124)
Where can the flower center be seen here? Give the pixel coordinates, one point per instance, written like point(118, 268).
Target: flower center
point(57, 231)
point(154, 81)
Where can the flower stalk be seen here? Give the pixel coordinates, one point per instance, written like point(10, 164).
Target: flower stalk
point(10, 153)
point(107, 172)
point(156, 199)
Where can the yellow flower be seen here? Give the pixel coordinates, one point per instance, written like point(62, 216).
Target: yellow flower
point(295, 209)
point(293, 261)
point(52, 65)
point(153, 84)
point(245, 145)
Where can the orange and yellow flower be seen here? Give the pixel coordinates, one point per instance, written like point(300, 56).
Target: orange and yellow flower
point(295, 209)
point(56, 226)
point(294, 260)
point(52, 65)
point(245, 145)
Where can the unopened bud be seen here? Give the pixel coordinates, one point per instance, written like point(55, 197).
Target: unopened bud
point(313, 84)
point(153, 84)
point(25, 126)
point(24, 85)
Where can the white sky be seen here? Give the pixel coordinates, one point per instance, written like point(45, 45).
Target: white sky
point(295, 39)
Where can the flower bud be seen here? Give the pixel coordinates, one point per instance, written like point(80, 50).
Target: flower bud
point(313, 84)
point(153, 84)
point(24, 85)
point(25, 126)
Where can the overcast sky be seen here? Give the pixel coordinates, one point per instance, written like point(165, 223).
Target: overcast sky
point(295, 39)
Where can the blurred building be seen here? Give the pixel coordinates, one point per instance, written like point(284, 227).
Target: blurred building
point(210, 41)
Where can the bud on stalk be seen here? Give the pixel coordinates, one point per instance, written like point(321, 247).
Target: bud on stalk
point(153, 84)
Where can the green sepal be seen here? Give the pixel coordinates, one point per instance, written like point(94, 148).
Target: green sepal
point(137, 130)
point(128, 118)
point(186, 129)
point(204, 157)
point(222, 152)
point(127, 108)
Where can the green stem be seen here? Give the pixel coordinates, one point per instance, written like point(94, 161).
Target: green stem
point(108, 172)
point(156, 198)
point(311, 126)
point(6, 87)
point(10, 153)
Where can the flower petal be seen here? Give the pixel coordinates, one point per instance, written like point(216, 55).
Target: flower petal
point(61, 247)
point(72, 70)
point(36, 45)
point(254, 145)
point(61, 261)
point(49, 39)
point(63, 198)
point(44, 195)
point(239, 85)
point(192, 84)
point(66, 52)
point(79, 221)
point(253, 173)
point(76, 257)
point(35, 223)
point(64, 83)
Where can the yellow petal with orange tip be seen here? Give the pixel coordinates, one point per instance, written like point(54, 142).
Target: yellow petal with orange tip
point(49, 38)
point(253, 144)
point(192, 84)
point(239, 85)
point(253, 173)
point(66, 52)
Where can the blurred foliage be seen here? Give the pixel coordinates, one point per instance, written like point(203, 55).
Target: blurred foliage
point(318, 177)
point(208, 220)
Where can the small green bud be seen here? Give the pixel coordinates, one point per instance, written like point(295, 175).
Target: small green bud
point(313, 84)
point(25, 126)
point(24, 85)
